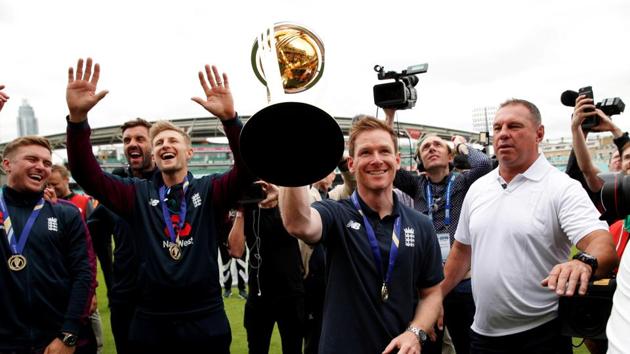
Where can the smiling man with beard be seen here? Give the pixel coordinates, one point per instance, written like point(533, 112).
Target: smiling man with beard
point(172, 216)
point(382, 256)
point(121, 274)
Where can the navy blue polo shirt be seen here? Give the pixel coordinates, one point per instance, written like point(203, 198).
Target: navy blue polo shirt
point(356, 319)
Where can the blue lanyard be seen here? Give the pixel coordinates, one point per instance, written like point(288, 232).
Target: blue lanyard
point(18, 246)
point(393, 252)
point(167, 216)
point(447, 211)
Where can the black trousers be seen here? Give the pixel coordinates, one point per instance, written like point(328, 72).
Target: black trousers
point(120, 319)
point(459, 312)
point(260, 317)
point(544, 339)
point(200, 335)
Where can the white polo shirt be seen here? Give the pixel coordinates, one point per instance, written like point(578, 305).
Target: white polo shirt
point(619, 321)
point(517, 235)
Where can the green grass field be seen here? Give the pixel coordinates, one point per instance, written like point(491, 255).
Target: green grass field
point(234, 307)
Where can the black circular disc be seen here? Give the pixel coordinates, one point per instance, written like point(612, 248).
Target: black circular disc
point(291, 144)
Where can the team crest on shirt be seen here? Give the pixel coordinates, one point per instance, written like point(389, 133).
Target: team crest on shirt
point(196, 199)
point(52, 224)
point(410, 237)
point(353, 225)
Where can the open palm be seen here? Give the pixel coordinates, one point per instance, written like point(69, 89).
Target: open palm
point(81, 93)
point(218, 99)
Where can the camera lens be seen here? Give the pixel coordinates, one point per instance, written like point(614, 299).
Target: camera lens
point(616, 197)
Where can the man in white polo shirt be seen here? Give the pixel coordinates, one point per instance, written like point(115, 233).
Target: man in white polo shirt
point(516, 227)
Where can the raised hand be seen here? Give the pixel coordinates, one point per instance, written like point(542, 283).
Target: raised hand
point(584, 108)
point(81, 93)
point(3, 97)
point(219, 101)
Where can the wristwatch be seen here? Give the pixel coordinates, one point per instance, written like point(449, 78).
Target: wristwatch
point(420, 334)
point(68, 339)
point(588, 259)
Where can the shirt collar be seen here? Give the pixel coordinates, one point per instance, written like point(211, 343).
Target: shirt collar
point(373, 215)
point(535, 172)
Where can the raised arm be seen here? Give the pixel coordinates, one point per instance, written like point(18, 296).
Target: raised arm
point(81, 96)
point(584, 108)
point(480, 164)
point(220, 103)
point(298, 217)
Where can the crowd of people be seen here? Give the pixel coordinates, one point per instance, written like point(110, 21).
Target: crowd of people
point(443, 259)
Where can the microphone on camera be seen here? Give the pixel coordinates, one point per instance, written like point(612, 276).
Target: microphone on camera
point(568, 98)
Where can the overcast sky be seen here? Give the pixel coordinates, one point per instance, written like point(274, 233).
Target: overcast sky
point(479, 53)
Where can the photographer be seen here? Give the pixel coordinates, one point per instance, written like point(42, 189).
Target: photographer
point(584, 108)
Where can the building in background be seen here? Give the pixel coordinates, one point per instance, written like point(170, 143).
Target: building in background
point(26, 121)
point(482, 118)
point(600, 147)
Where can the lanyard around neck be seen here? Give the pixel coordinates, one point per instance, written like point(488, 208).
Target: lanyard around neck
point(447, 209)
point(182, 212)
point(17, 246)
point(393, 252)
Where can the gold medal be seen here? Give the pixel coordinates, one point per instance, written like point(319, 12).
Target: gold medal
point(175, 251)
point(384, 292)
point(17, 262)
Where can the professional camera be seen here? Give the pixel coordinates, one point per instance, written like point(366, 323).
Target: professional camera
point(401, 93)
point(585, 316)
point(616, 196)
point(610, 106)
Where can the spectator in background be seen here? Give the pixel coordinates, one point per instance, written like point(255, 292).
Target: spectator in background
point(227, 259)
point(525, 215)
point(121, 276)
point(60, 180)
point(439, 193)
point(585, 108)
point(276, 290)
point(370, 305)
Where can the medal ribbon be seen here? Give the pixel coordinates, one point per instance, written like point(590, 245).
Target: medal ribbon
point(18, 246)
point(182, 212)
point(447, 211)
point(393, 252)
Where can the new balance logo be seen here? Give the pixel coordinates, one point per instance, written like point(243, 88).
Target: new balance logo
point(52, 224)
point(153, 202)
point(353, 225)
